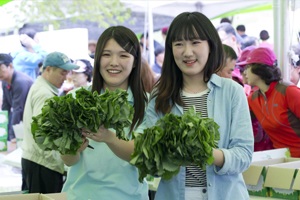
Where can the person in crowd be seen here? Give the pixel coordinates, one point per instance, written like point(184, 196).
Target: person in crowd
point(15, 87)
point(264, 40)
point(67, 86)
point(225, 19)
point(193, 54)
point(275, 104)
point(42, 171)
point(149, 78)
point(249, 41)
point(241, 30)
point(92, 48)
point(230, 58)
point(261, 139)
point(229, 37)
point(144, 44)
point(159, 59)
point(82, 77)
point(105, 172)
point(295, 66)
point(76, 78)
point(28, 57)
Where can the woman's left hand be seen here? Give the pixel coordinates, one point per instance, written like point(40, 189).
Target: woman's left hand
point(102, 135)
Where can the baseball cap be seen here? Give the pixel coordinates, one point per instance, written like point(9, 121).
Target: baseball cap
point(82, 66)
point(60, 60)
point(244, 55)
point(5, 58)
point(260, 56)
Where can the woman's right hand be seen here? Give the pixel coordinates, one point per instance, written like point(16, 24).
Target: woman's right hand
point(83, 145)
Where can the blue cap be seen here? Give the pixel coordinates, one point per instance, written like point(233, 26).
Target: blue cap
point(60, 60)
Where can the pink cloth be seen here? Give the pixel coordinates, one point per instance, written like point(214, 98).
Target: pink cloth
point(266, 45)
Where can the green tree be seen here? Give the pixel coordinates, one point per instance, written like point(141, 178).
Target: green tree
point(104, 12)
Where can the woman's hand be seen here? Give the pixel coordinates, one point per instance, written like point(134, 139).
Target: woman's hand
point(102, 135)
point(83, 145)
point(70, 160)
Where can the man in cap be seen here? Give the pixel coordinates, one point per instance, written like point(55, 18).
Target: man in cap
point(15, 87)
point(42, 171)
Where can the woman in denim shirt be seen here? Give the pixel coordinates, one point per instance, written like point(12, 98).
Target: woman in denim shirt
point(193, 54)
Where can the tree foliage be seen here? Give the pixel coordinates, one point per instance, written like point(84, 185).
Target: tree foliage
point(104, 12)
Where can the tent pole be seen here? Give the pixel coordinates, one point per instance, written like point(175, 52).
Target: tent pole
point(151, 38)
point(281, 35)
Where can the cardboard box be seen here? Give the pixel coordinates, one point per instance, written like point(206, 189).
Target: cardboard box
point(280, 180)
point(3, 131)
point(3, 117)
point(296, 185)
point(3, 144)
point(255, 175)
point(271, 154)
point(35, 196)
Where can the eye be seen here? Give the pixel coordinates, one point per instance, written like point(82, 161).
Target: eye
point(196, 41)
point(124, 56)
point(105, 54)
point(178, 43)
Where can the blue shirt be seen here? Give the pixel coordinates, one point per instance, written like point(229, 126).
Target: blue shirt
point(100, 174)
point(227, 105)
point(27, 62)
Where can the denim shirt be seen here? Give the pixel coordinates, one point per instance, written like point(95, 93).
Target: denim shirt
point(227, 105)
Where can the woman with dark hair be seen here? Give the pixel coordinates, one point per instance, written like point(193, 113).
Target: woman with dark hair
point(275, 104)
point(192, 56)
point(105, 172)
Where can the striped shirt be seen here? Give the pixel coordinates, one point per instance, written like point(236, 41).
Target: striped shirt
point(195, 177)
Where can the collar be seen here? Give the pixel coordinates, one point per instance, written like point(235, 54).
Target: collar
point(271, 88)
point(52, 88)
point(214, 80)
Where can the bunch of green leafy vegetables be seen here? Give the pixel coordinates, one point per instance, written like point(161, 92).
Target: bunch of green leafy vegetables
point(175, 141)
point(59, 125)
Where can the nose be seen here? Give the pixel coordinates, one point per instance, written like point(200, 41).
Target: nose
point(114, 61)
point(188, 50)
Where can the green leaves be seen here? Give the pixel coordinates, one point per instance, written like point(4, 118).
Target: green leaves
point(175, 141)
point(59, 125)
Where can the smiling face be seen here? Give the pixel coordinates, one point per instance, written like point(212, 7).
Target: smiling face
point(115, 66)
point(191, 56)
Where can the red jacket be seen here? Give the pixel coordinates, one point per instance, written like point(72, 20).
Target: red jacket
point(278, 112)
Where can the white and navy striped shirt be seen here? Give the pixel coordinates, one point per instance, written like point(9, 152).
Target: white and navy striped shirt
point(195, 176)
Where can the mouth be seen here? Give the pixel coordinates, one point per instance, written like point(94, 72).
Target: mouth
point(189, 62)
point(113, 71)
